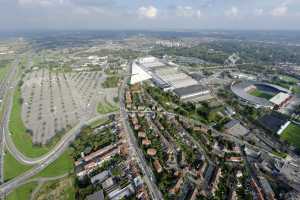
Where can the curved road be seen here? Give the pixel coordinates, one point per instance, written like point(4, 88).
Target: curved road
point(66, 139)
point(6, 187)
point(43, 161)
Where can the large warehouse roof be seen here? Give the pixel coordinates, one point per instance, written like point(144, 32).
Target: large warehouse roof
point(174, 77)
point(150, 62)
point(191, 90)
point(138, 74)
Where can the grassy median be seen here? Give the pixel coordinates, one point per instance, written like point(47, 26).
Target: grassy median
point(105, 107)
point(58, 189)
point(12, 168)
point(62, 165)
point(4, 68)
point(23, 192)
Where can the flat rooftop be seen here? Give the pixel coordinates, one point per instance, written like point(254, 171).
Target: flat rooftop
point(193, 89)
point(273, 121)
point(174, 77)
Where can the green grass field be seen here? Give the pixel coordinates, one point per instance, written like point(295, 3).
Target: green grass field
point(111, 82)
point(105, 107)
point(59, 189)
point(289, 79)
point(292, 135)
point(261, 94)
point(60, 166)
point(23, 192)
point(3, 71)
point(99, 122)
point(279, 154)
point(12, 168)
point(20, 137)
point(296, 89)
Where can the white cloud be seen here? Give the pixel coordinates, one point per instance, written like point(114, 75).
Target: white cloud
point(279, 11)
point(184, 11)
point(187, 11)
point(198, 13)
point(149, 12)
point(40, 2)
point(258, 11)
point(81, 11)
point(232, 12)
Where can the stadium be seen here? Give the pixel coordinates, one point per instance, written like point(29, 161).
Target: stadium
point(260, 94)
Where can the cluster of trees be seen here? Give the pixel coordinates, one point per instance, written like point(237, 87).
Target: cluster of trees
point(203, 112)
point(172, 129)
point(244, 192)
point(209, 113)
point(202, 52)
point(111, 82)
point(258, 52)
point(88, 141)
point(249, 52)
point(283, 83)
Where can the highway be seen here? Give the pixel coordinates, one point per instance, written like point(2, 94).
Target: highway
point(43, 161)
point(4, 87)
point(5, 134)
point(147, 171)
point(7, 90)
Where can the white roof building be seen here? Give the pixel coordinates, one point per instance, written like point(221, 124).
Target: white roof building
point(279, 98)
point(138, 74)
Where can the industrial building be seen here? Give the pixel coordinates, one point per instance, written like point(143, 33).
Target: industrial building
point(234, 127)
point(274, 122)
point(191, 92)
point(168, 77)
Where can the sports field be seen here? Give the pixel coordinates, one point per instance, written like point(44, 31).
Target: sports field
point(292, 135)
point(259, 93)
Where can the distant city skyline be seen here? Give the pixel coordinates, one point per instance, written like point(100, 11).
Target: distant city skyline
point(149, 14)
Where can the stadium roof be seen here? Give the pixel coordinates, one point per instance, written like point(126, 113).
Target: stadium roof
point(273, 121)
point(239, 90)
point(279, 98)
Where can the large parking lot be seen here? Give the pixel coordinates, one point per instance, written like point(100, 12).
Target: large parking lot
point(53, 102)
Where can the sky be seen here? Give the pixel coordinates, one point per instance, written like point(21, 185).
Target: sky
point(149, 14)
